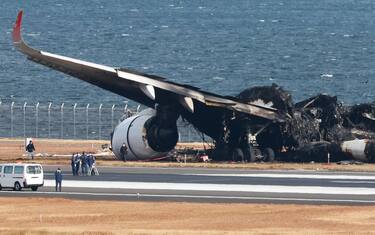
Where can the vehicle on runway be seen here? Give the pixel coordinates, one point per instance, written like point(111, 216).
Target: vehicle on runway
point(18, 176)
point(259, 123)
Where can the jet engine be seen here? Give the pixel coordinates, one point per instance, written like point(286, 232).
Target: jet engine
point(146, 135)
point(360, 149)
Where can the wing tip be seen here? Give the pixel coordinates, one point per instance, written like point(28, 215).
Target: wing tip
point(17, 28)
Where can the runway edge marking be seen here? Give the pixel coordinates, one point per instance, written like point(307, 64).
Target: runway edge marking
point(182, 196)
point(214, 187)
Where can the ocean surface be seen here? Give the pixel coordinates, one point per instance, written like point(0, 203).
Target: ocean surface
point(222, 46)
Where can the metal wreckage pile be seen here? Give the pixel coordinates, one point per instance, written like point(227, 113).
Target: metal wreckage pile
point(314, 129)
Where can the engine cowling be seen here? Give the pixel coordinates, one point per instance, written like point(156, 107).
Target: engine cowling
point(360, 149)
point(144, 137)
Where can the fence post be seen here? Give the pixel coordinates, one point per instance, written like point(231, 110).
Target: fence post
point(24, 119)
point(62, 120)
point(11, 119)
point(49, 120)
point(112, 115)
point(100, 120)
point(74, 120)
point(87, 121)
point(36, 119)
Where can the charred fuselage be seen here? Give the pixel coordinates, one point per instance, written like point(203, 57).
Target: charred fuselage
point(314, 129)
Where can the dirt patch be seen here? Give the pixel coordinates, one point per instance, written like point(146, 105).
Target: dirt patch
point(12, 150)
point(15, 148)
point(63, 216)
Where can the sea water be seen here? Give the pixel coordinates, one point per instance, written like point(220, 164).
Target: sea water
point(222, 46)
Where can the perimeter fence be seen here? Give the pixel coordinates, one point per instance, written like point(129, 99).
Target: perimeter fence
point(72, 120)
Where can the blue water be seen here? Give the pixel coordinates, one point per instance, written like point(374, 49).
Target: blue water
point(223, 46)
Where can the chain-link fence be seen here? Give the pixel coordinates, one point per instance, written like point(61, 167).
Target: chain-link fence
point(71, 120)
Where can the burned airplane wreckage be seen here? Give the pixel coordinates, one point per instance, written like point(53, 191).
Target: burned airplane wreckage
point(312, 130)
point(261, 123)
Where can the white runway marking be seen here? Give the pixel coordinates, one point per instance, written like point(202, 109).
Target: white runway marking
point(353, 182)
point(296, 176)
point(140, 196)
point(214, 187)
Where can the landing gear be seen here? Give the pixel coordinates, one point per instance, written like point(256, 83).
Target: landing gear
point(238, 155)
point(252, 154)
point(266, 154)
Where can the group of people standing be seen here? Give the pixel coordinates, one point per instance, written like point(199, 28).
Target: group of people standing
point(85, 162)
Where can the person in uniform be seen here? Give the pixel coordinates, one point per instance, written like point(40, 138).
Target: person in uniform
point(124, 151)
point(58, 179)
point(30, 149)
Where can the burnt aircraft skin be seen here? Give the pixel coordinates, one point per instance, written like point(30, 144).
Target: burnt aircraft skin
point(311, 128)
point(322, 125)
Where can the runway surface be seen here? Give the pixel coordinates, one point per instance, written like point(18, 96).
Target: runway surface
point(211, 185)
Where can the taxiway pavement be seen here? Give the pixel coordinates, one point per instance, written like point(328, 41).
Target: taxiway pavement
point(211, 185)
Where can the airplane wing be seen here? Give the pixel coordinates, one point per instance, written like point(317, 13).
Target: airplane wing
point(142, 88)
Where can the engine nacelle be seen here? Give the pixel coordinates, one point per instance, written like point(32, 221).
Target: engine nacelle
point(144, 136)
point(360, 149)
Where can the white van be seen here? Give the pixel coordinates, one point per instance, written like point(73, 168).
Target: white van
point(18, 176)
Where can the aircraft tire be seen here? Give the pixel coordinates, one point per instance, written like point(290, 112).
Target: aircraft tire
point(238, 155)
point(269, 155)
point(252, 154)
